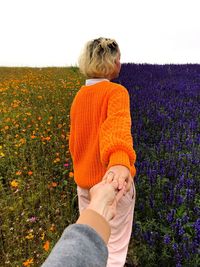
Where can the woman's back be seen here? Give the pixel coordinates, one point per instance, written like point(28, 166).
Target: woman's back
point(89, 111)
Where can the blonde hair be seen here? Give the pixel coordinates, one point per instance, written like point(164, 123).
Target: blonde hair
point(98, 58)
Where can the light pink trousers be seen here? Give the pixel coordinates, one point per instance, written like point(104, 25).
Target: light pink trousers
point(121, 225)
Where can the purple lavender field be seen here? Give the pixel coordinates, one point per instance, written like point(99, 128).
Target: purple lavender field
point(165, 110)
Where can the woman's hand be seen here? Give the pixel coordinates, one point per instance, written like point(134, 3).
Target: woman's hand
point(121, 174)
point(104, 197)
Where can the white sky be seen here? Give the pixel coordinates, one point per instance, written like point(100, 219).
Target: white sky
point(53, 32)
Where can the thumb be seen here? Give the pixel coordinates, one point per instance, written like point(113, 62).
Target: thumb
point(121, 181)
point(120, 193)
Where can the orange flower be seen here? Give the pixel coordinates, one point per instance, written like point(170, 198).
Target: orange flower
point(28, 262)
point(48, 138)
point(18, 173)
point(54, 184)
point(71, 174)
point(30, 173)
point(33, 136)
point(22, 140)
point(52, 228)
point(46, 245)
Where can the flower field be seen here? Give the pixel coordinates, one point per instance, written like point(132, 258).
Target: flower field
point(165, 109)
point(38, 195)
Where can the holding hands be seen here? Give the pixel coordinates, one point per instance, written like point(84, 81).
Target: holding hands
point(120, 174)
point(104, 196)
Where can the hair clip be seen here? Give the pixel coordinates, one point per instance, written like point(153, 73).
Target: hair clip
point(113, 47)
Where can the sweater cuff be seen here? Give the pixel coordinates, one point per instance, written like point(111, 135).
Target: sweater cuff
point(97, 222)
point(119, 158)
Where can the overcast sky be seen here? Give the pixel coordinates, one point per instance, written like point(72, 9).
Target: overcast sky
point(53, 32)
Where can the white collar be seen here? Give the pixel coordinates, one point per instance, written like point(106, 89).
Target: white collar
point(93, 81)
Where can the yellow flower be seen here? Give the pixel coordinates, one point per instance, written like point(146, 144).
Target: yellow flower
point(28, 262)
point(29, 236)
point(14, 184)
point(42, 236)
point(2, 154)
point(56, 160)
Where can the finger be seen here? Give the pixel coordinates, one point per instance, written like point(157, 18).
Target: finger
point(128, 186)
point(120, 193)
point(114, 183)
point(121, 181)
point(125, 188)
point(110, 177)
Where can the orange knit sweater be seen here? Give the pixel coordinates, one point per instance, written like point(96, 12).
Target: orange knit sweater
point(100, 132)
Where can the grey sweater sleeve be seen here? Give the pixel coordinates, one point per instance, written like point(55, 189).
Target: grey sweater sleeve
point(79, 246)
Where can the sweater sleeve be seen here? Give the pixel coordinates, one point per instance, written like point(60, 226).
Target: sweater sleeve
point(71, 134)
point(115, 139)
point(79, 246)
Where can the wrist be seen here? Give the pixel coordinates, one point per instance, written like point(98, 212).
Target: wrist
point(99, 207)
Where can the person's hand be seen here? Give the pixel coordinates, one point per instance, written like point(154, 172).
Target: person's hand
point(104, 197)
point(121, 174)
